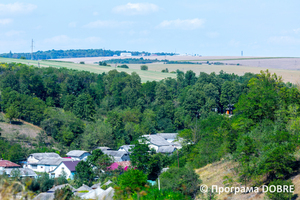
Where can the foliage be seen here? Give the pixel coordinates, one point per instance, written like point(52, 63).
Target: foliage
point(277, 195)
point(64, 193)
point(84, 174)
point(131, 181)
point(123, 66)
point(144, 67)
point(184, 180)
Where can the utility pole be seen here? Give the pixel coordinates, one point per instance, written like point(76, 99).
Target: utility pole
point(31, 49)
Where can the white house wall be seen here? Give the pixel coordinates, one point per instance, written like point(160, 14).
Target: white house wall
point(58, 171)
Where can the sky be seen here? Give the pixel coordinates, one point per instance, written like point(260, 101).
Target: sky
point(203, 27)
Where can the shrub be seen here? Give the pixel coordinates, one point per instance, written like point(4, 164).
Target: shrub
point(144, 67)
point(123, 66)
point(184, 180)
point(81, 62)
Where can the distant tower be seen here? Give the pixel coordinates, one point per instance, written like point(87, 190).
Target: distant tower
point(31, 49)
point(242, 53)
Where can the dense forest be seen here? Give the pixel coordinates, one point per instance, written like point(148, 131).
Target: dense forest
point(75, 53)
point(83, 110)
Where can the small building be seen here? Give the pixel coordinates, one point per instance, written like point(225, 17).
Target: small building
point(36, 157)
point(126, 148)
point(229, 109)
point(103, 148)
point(166, 149)
point(78, 154)
point(23, 172)
point(67, 166)
point(54, 188)
point(125, 54)
point(118, 156)
point(5, 164)
point(124, 164)
point(170, 137)
point(46, 164)
point(156, 141)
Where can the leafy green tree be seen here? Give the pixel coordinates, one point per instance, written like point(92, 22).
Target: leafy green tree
point(277, 195)
point(144, 67)
point(12, 113)
point(84, 173)
point(131, 181)
point(140, 156)
point(84, 107)
point(64, 193)
point(181, 179)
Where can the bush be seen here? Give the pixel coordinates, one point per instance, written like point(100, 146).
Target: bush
point(277, 195)
point(81, 62)
point(123, 66)
point(165, 70)
point(184, 180)
point(144, 67)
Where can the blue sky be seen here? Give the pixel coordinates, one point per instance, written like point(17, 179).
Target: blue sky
point(205, 27)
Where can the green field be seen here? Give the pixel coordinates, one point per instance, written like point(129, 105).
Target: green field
point(145, 75)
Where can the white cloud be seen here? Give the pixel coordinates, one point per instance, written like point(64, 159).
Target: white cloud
point(234, 43)
point(284, 40)
point(296, 30)
point(13, 33)
point(60, 39)
point(93, 40)
point(136, 8)
point(64, 39)
point(107, 24)
point(5, 21)
point(187, 24)
point(16, 8)
point(72, 24)
point(212, 34)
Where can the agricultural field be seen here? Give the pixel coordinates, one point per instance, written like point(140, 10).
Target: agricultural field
point(288, 68)
point(145, 75)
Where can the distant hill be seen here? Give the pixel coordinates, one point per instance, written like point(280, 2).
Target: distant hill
point(75, 53)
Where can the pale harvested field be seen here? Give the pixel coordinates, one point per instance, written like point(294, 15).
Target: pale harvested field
point(145, 75)
point(288, 68)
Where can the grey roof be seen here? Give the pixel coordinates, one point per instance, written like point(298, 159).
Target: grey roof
point(116, 154)
point(157, 140)
point(95, 186)
point(23, 171)
point(51, 161)
point(76, 153)
point(103, 148)
point(100, 194)
point(83, 187)
point(40, 156)
point(127, 148)
point(108, 182)
point(44, 196)
point(168, 136)
point(60, 187)
point(166, 149)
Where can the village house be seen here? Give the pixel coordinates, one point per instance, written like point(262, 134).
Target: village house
point(65, 166)
point(9, 168)
point(43, 162)
point(78, 155)
point(170, 137)
point(118, 156)
point(126, 148)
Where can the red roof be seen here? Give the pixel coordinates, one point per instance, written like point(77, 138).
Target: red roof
point(123, 164)
point(8, 164)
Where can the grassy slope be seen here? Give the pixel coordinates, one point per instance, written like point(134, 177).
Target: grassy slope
point(213, 174)
point(24, 128)
point(145, 75)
